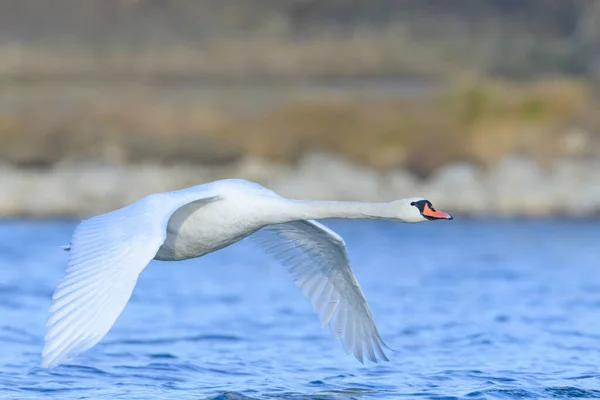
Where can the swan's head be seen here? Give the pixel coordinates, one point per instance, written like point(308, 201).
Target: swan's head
point(418, 209)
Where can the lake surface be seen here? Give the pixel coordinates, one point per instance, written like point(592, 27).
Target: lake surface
point(474, 309)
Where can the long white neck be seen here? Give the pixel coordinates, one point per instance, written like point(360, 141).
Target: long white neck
point(294, 210)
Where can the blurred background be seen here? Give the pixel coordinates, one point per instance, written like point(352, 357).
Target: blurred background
point(484, 106)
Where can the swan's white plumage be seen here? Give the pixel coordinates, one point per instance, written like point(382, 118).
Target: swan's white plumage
point(109, 251)
point(317, 259)
point(107, 254)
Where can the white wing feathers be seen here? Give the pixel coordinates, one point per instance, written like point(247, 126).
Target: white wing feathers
point(317, 259)
point(107, 254)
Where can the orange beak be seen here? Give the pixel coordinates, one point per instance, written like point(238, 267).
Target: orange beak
point(435, 214)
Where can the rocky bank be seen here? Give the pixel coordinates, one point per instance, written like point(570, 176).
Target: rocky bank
point(514, 186)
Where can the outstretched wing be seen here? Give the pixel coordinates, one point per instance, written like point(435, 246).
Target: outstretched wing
point(107, 254)
point(317, 258)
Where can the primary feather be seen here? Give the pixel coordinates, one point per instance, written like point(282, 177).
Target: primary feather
point(106, 255)
point(317, 259)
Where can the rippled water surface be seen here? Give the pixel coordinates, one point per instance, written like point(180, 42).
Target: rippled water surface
point(474, 309)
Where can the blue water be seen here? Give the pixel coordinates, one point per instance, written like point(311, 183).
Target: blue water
point(474, 309)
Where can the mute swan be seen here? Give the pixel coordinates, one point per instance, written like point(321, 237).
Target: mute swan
point(109, 251)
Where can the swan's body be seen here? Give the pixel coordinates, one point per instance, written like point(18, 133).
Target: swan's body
point(109, 251)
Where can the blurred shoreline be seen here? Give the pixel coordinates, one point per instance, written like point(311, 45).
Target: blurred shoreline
point(516, 186)
point(484, 106)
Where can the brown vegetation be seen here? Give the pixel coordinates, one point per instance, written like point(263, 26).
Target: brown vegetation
point(475, 121)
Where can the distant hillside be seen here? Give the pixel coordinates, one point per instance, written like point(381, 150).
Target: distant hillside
point(295, 38)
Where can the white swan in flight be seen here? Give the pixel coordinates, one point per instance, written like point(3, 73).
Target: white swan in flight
point(109, 251)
